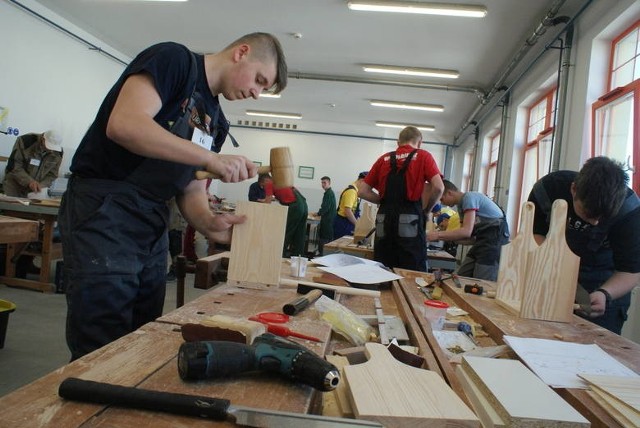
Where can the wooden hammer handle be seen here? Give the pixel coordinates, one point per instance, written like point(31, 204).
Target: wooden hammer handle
point(201, 175)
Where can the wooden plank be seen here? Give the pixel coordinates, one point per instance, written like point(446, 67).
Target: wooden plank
point(550, 284)
point(514, 259)
point(624, 414)
point(256, 247)
point(415, 300)
point(612, 409)
point(398, 395)
point(481, 405)
point(520, 397)
point(625, 389)
point(14, 229)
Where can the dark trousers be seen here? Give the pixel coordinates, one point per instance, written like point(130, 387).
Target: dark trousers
point(342, 226)
point(296, 229)
point(400, 237)
point(115, 261)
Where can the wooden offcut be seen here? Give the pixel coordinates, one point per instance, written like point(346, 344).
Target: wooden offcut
point(518, 396)
point(256, 246)
point(397, 395)
point(514, 260)
point(552, 273)
point(620, 396)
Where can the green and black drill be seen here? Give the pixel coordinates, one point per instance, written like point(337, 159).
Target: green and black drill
point(218, 359)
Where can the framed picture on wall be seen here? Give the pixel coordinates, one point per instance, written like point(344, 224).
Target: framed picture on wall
point(305, 172)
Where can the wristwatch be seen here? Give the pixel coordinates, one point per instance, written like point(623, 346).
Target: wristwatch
point(607, 295)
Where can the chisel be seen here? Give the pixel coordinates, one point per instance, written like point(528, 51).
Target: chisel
point(192, 405)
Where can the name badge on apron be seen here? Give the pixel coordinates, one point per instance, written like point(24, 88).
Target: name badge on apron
point(34, 162)
point(200, 138)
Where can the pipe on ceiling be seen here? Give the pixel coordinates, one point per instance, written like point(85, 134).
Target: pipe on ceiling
point(547, 21)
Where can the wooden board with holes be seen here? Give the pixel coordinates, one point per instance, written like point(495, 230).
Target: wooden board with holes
point(514, 259)
point(518, 396)
point(550, 284)
point(256, 246)
point(397, 395)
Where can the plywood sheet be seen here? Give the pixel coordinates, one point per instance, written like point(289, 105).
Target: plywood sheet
point(514, 259)
point(520, 397)
point(397, 395)
point(256, 246)
point(552, 274)
point(625, 389)
point(611, 409)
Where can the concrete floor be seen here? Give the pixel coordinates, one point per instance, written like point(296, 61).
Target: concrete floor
point(35, 340)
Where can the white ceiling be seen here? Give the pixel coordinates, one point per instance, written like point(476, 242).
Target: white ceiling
point(334, 42)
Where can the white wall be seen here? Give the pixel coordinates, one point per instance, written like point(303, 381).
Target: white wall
point(49, 80)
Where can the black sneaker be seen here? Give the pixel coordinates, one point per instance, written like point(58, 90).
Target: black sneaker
point(171, 276)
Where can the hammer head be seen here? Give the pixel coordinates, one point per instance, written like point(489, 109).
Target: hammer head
point(281, 167)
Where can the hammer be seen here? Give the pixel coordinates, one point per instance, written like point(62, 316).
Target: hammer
point(280, 166)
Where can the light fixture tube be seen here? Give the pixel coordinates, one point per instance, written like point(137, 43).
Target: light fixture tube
point(407, 106)
point(404, 125)
point(269, 95)
point(460, 10)
point(411, 71)
point(274, 114)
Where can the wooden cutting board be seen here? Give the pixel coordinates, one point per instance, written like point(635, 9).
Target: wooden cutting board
point(552, 273)
point(514, 260)
point(256, 245)
point(397, 395)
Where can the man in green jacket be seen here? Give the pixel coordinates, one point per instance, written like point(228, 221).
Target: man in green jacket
point(327, 214)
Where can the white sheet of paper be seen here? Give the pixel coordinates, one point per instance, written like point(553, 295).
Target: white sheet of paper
point(362, 273)
point(340, 259)
point(558, 363)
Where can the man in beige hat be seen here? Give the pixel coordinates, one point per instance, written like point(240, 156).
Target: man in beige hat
point(33, 164)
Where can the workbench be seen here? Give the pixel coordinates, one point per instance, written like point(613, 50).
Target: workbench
point(17, 230)
point(49, 251)
point(147, 359)
point(437, 259)
point(497, 322)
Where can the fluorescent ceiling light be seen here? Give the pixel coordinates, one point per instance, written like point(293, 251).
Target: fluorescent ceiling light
point(462, 10)
point(274, 114)
point(406, 106)
point(176, 1)
point(411, 71)
point(269, 95)
point(404, 125)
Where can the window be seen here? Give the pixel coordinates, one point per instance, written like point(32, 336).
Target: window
point(467, 172)
point(492, 166)
point(616, 115)
point(537, 152)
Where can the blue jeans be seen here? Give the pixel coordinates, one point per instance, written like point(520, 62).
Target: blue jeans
point(115, 261)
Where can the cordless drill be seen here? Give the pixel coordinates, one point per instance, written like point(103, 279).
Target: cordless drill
point(218, 359)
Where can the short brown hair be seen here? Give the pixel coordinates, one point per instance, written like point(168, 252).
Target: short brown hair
point(601, 186)
point(409, 134)
point(266, 46)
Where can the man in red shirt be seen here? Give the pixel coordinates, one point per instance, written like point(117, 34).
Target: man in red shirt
point(404, 179)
